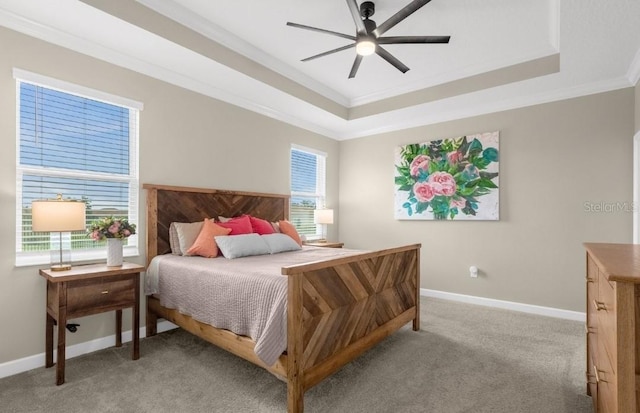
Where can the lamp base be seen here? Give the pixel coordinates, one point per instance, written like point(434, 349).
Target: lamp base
point(60, 267)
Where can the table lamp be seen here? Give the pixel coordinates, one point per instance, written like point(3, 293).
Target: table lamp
point(323, 217)
point(58, 215)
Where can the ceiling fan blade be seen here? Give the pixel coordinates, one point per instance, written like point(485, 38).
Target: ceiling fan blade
point(391, 59)
point(356, 65)
point(413, 39)
point(405, 12)
point(316, 29)
point(339, 49)
point(357, 19)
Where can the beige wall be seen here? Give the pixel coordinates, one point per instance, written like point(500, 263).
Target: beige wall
point(185, 139)
point(554, 158)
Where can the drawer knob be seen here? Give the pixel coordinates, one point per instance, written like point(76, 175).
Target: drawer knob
point(105, 292)
point(590, 280)
point(599, 305)
point(596, 373)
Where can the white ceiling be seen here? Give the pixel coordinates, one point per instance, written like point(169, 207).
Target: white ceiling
point(598, 44)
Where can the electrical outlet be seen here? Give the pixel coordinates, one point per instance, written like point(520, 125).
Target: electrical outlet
point(473, 271)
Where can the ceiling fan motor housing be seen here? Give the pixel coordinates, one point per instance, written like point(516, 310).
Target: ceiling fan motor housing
point(367, 9)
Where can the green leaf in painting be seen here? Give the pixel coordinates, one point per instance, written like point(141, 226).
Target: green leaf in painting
point(490, 154)
point(475, 147)
point(486, 183)
point(488, 175)
point(421, 207)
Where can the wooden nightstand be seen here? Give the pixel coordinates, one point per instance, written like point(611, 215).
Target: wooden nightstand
point(86, 290)
point(326, 244)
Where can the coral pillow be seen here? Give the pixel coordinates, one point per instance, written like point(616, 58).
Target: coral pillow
point(238, 226)
point(205, 245)
point(287, 228)
point(261, 226)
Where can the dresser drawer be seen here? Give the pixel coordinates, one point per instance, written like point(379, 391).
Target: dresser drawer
point(606, 315)
point(99, 295)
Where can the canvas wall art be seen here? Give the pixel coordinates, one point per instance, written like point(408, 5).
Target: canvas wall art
point(449, 179)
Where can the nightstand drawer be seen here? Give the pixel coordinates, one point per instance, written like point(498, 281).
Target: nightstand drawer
point(92, 296)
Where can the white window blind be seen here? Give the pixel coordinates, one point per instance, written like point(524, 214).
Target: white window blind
point(79, 143)
point(308, 189)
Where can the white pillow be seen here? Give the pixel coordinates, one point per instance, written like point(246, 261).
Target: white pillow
point(243, 245)
point(187, 234)
point(280, 243)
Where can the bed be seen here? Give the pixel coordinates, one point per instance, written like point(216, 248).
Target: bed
point(336, 309)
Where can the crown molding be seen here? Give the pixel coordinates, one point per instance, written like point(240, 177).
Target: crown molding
point(317, 121)
point(174, 11)
point(98, 51)
point(492, 107)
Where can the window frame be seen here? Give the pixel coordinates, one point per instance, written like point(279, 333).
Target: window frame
point(320, 194)
point(28, 258)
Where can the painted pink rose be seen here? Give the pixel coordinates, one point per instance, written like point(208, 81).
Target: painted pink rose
point(424, 191)
point(420, 162)
point(126, 232)
point(95, 235)
point(443, 183)
point(454, 157)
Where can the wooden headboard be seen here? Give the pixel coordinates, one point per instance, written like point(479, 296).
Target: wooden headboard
point(167, 204)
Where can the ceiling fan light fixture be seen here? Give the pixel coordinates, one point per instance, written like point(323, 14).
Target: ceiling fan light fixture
point(365, 47)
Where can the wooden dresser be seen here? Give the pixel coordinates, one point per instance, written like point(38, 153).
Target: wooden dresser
point(613, 327)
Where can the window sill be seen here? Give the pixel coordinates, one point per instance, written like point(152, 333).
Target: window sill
point(32, 259)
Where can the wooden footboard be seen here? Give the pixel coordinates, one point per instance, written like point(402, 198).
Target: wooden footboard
point(338, 309)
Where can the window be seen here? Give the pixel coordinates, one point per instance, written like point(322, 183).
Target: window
point(80, 143)
point(307, 189)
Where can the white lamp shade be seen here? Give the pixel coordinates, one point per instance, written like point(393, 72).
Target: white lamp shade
point(58, 216)
point(323, 216)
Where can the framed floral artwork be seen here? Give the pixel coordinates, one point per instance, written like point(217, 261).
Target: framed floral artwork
point(449, 179)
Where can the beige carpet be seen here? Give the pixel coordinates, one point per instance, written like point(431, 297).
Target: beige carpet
point(466, 359)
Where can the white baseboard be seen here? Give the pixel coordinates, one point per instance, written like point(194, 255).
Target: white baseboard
point(36, 361)
point(507, 305)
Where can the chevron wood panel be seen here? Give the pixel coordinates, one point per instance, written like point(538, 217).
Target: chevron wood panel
point(345, 303)
point(180, 205)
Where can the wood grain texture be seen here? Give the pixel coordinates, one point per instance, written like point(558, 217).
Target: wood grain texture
point(167, 204)
point(613, 326)
point(336, 309)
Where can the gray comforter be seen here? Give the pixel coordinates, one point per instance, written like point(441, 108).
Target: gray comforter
point(247, 296)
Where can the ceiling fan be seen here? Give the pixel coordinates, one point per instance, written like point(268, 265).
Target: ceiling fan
point(369, 37)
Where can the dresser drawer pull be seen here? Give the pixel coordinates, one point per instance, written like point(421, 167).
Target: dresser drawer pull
point(595, 372)
point(105, 292)
point(589, 330)
point(599, 305)
point(590, 378)
point(590, 280)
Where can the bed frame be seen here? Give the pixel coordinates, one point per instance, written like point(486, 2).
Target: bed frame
point(337, 309)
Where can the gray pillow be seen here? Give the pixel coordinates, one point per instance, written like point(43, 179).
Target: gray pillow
point(280, 243)
point(244, 245)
